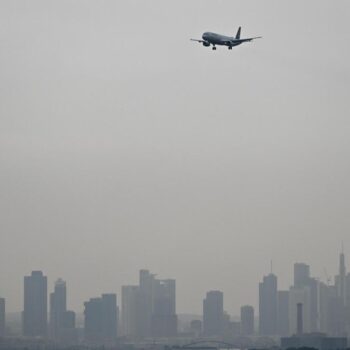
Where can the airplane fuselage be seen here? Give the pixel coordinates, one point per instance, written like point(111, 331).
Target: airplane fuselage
point(218, 39)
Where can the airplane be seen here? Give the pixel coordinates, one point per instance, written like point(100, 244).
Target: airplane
point(218, 39)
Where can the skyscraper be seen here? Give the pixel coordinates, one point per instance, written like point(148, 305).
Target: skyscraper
point(150, 308)
point(341, 285)
point(301, 296)
point(314, 305)
point(62, 322)
point(303, 280)
point(58, 306)
point(268, 305)
point(336, 317)
point(101, 319)
point(347, 290)
point(301, 275)
point(164, 318)
point(130, 303)
point(326, 292)
point(247, 320)
point(213, 313)
point(2, 317)
point(145, 306)
point(35, 305)
point(283, 312)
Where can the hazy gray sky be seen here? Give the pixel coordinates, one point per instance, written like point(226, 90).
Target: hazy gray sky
point(123, 145)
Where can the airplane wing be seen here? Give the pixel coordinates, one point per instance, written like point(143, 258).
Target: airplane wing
point(250, 39)
point(198, 40)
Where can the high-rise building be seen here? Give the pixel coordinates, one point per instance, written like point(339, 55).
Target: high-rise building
point(145, 306)
point(338, 313)
point(110, 312)
point(314, 305)
point(62, 322)
point(213, 313)
point(325, 293)
point(68, 332)
point(130, 303)
point(268, 305)
point(35, 305)
point(303, 280)
point(2, 317)
point(300, 296)
point(101, 319)
point(336, 317)
point(164, 318)
point(247, 320)
point(58, 306)
point(149, 310)
point(341, 285)
point(283, 313)
point(332, 311)
point(301, 275)
point(347, 290)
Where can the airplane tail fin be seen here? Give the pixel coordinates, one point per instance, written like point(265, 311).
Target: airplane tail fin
point(238, 35)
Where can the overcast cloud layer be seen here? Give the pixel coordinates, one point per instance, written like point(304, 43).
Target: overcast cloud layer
point(123, 145)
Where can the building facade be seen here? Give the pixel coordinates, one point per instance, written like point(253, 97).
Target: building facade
point(268, 305)
point(62, 321)
point(213, 313)
point(283, 313)
point(100, 315)
point(2, 317)
point(34, 315)
point(164, 318)
point(149, 309)
point(247, 320)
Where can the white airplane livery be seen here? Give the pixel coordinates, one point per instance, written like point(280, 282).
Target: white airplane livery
point(214, 39)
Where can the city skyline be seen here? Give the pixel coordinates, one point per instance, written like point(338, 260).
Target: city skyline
point(296, 280)
point(310, 311)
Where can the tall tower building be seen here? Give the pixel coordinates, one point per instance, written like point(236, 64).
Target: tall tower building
point(35, 305)
point(300, 296)
point(101, 319)
point(283, 313)
point(145, 306)
point(58, 307)
point(301, 275)
point(326, 292)
point(164, 318)
point(247, 320)
point(268, 305)
point(2, 317)
point(130, 302)
point(149, 309)
point(347, 290)
point(213, 313)
point(342, 279)
point(62, 322)
point(302, 280)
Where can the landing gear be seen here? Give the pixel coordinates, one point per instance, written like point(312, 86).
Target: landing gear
point(214, 47)
point(230, 47)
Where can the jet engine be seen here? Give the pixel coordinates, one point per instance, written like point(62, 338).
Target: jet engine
point(205, 43)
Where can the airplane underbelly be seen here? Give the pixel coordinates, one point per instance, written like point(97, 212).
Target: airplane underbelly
point(217, 42)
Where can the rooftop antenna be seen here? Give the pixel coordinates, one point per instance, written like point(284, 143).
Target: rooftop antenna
point(271, 266)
